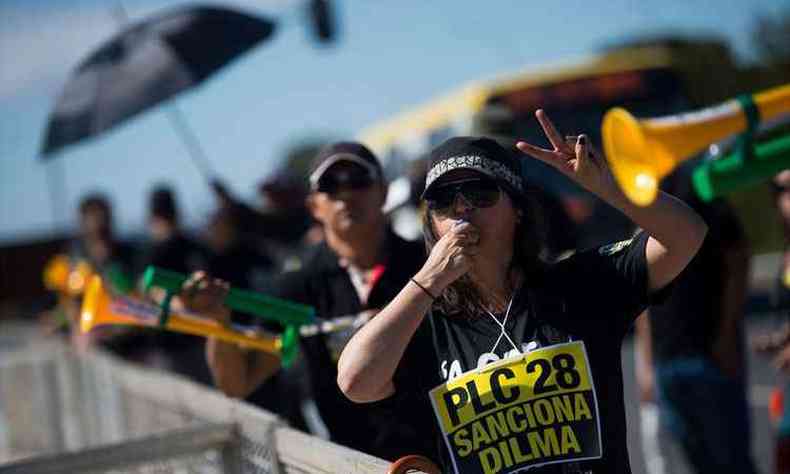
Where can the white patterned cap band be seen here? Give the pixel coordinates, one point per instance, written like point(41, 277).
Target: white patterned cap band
point(485, 155)
point(487, 166)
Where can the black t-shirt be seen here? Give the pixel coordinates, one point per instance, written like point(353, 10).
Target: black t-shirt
point(183, 255)
point(379, 429)
point(686, 324)
point(592, 297)
point(184, 352)
point(177, 253)
point(242, 266)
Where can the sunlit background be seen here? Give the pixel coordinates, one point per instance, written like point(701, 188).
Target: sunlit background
point(386, 57)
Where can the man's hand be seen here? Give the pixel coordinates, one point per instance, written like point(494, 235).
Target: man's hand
point(205, 295)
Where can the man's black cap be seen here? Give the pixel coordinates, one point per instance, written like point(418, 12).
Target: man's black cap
point(343, 151)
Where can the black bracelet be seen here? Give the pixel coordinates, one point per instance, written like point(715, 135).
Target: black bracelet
point(423, 289)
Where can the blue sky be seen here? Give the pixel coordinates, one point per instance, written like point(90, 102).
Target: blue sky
point(391, 55)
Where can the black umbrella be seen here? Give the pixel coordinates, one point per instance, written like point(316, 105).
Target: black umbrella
point(147, 63)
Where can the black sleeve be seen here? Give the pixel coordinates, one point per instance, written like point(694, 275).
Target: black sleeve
point(724, 227)
point(608, 285)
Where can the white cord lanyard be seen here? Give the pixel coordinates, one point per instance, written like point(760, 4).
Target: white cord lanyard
point(502, 326)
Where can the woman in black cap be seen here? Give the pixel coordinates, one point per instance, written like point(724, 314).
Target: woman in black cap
point(520, 358)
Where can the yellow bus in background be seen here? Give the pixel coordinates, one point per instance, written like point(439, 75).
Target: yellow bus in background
point(652, 79)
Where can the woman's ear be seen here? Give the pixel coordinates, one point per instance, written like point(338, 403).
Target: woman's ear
point(310, 204)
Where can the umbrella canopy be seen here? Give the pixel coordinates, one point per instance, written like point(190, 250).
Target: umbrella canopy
point(147, 63)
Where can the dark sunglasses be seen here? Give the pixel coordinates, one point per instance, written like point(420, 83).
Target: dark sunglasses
point(479, 193)
point(779, 188)
point(351, 178)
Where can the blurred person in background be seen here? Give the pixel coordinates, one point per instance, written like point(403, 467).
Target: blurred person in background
point(281, 225)
point(285, 215)
point(690, 351)
point(97, 242)
point(236, 261)
point(169, 248)
point(114, 260)
point(355, 271)
point(232, 257)
point(281, 231)
point(777, 344)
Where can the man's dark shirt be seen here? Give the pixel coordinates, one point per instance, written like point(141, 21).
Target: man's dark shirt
point(687, 323)
point(178, 253)
point(185, 352)
point(246, 268)
point(377, 428)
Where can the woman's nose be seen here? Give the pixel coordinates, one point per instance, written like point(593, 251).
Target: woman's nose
point(460, 205)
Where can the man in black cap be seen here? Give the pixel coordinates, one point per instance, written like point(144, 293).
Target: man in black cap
point(358, 269)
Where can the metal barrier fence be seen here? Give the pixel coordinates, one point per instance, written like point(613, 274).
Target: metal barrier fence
point(60, 412)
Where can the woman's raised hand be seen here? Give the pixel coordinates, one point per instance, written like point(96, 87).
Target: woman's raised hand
point(450, 258)
point(205, 295)
point(575, 157)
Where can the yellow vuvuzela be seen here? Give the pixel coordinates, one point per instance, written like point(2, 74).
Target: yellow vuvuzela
point(99, 308)
point(641, 152)
point(67, 276)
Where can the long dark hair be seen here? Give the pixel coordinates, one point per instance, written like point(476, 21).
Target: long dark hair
point(529, 255)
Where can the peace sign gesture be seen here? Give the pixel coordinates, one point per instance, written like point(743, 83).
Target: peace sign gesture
point(574, 156)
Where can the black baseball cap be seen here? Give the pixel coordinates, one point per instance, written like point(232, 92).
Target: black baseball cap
point(343, 151)
point(482, 154)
